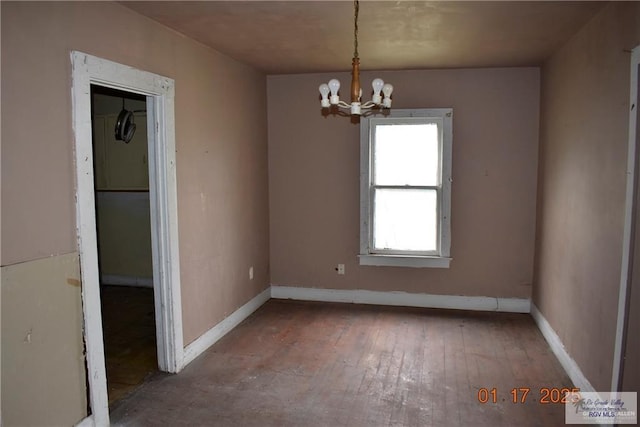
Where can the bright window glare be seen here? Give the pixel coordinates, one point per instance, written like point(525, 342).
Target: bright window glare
point(406, 154)
point(405, 220)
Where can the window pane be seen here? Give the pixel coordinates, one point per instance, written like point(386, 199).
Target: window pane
point(405, 220)
point(406, 154)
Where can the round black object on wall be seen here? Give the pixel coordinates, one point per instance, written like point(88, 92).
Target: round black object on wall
point(125, 127)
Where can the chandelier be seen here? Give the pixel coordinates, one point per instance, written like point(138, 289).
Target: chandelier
point(329, 91)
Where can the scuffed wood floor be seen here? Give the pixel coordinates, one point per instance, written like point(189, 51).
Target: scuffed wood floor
point(129, 328)
point(317, 364)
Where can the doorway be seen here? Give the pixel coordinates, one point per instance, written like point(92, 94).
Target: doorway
point(626, 373)
point(630, 378)
point(158, 92)
point(121, 187)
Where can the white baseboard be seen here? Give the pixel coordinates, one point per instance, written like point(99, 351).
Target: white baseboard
point(119, 280)
point(512, 305)
point(206, 340)
point(87, 422)
point(570, 366)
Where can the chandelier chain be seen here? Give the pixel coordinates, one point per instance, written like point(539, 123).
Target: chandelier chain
point(356, 9)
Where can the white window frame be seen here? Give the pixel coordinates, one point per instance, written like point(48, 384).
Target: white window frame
point(394, 258)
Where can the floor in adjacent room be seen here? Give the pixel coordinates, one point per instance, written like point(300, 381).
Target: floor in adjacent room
point(322, 364)
point(129, 338)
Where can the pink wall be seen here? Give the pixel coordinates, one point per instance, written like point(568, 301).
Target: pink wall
point(314, 183)
point(582, 181)
point(221, 149)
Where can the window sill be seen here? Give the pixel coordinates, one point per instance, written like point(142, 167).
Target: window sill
point(405, 261)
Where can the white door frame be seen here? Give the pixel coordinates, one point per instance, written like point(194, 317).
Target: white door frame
point(88, 70)
point(631, 207)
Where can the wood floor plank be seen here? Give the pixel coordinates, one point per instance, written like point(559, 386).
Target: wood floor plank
point(317, 364)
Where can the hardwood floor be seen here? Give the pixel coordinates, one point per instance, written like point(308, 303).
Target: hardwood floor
point(317, 364)
point(129, 338)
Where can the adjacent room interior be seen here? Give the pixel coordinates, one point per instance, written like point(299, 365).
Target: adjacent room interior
point(123, 228)
point(243, 312)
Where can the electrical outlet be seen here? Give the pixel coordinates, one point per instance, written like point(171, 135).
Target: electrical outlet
point(251, 273)
point(340, 269)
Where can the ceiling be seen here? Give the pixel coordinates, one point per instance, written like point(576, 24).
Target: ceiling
point(283, 37)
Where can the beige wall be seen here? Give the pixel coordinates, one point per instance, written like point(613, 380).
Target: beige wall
point(314, 183)
point(221, 162)
point(43, 369)
point(584, 132)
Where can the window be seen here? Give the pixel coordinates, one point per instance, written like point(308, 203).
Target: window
point(405, 188)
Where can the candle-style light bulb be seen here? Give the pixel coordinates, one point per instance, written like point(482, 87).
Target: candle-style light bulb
point(377, 85)
point(387, 89)
point(324, 91)
point(334, 86)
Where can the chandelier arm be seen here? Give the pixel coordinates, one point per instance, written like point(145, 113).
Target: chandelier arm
point(369, 113)
point(369, 104)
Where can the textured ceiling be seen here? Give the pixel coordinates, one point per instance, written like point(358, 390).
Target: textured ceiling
point(281, 37)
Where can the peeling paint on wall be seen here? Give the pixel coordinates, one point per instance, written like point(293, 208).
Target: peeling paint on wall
point(73, 282)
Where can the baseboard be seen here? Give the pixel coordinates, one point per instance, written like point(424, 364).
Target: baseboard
point(570, 366)
point(120, 280)
point(87, 422)
point(206, 340)
point(512, 305)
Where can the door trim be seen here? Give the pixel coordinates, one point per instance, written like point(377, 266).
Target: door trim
point(629, 225)
point(159, 90)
